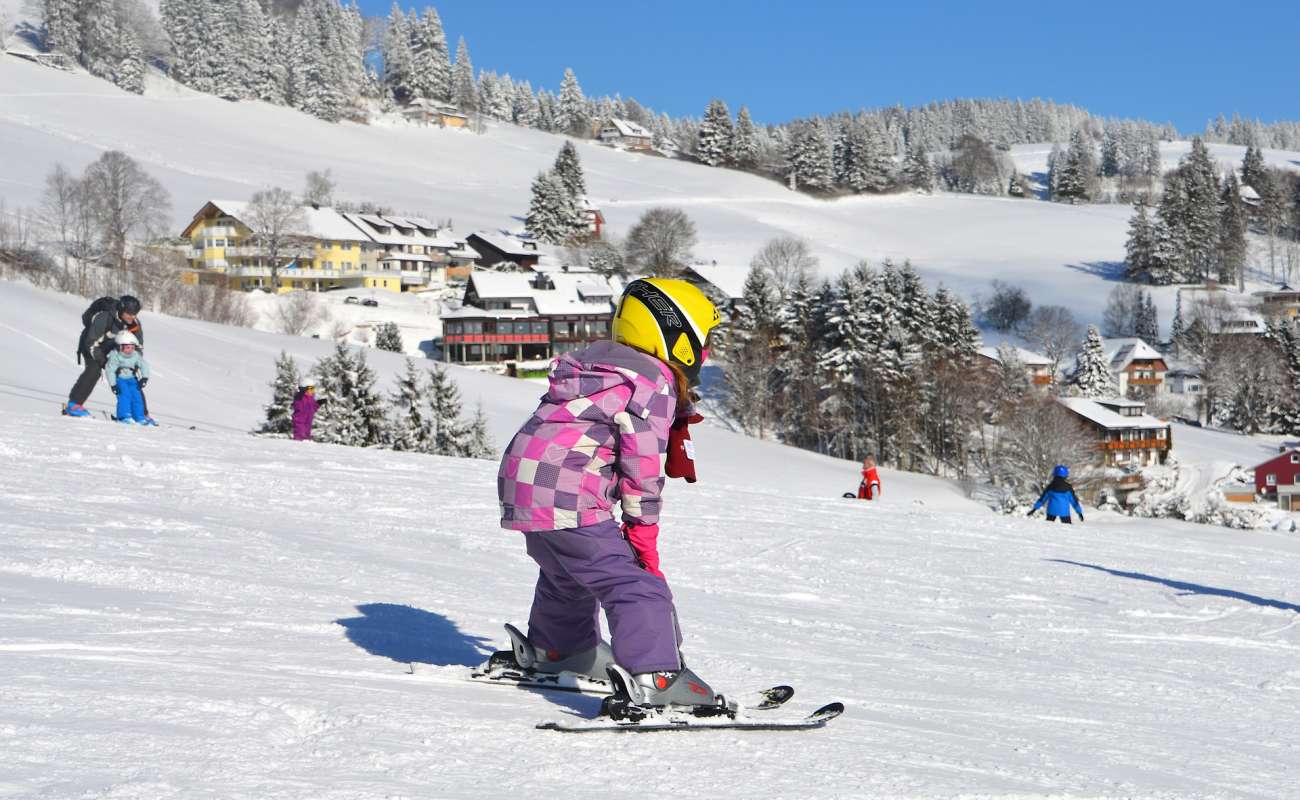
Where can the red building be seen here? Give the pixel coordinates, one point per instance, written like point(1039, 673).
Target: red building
point(1279, 471)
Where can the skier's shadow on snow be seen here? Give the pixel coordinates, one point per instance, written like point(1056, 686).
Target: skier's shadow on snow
point(408, 634)
point(1189, 588)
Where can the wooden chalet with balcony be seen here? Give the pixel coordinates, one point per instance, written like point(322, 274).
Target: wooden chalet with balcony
point(1126, 435)
point(625, 133)
point(1139, 368)
point(514, 316)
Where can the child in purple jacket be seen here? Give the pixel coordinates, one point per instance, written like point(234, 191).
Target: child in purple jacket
point(600, 436)
point(305, 406)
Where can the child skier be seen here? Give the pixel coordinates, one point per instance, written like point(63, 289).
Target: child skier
point(869, 489)
point(1059, 496)
point(600, 435)
point(127, 372)
point(305, 406)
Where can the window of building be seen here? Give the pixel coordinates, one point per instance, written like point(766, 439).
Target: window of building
point(473, 326)
point(1160, 434)
point(1270, 480)
point(347, 265)
point(1295, 458)
point(539, 327)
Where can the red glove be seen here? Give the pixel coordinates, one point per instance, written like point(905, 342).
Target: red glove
point(643, 539)
point(681, 450)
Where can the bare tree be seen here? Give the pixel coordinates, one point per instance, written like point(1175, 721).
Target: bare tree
point(319, 190)
point(299, 312)
point(1055, 332)
point(1039, 435)
point(1006, 309)
point(786, 258)
point(61, 203)
point(1122, 308)
point(279, 228)
point(660, 242)
point(125, 202)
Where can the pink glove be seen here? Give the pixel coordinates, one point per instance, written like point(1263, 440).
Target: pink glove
point(643, 540)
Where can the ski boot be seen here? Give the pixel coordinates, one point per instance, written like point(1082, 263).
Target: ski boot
point(148, 422)
point(527, 666)
point(124, 421)
point(75, 410)
point(648, 694)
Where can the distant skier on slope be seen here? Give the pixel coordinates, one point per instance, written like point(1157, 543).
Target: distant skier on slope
point(127, 373)
point(1059, 497)
point(305, 406)
point(869, 489)
point(101, 322)
point(612, 413)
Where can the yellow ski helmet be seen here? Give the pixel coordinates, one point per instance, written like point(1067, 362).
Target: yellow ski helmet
point(668, 318)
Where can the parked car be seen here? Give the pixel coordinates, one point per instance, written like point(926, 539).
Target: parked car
point(370, 301)
point(350, 300)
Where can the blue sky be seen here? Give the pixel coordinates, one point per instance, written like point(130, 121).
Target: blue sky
point(1176, 62)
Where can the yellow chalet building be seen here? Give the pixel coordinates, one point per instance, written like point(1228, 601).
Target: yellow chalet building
point(341, 255)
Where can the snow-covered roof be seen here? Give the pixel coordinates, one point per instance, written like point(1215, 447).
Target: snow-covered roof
point(1249, 194)
point(322, 223)
point(1027, 357)
point(1095, 412)
point(387, 229)
point(406, 257)
point(629, 128)
point(1122, 351)
point(727, 278)
point(568, 297)
point(507, 244)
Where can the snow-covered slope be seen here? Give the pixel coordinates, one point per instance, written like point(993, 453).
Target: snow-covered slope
point(200, 613)
point(202, 147)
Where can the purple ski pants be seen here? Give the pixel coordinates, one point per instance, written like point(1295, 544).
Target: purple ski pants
point(586, 569)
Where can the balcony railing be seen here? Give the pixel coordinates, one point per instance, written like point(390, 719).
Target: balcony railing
point(1136, 444)
point(1145, 381)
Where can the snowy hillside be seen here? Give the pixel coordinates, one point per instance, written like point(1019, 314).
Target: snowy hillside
point(199, 613)
point(202, 147)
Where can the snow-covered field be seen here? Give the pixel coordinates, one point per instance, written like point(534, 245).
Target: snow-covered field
point(199, 613)
point(202, 147)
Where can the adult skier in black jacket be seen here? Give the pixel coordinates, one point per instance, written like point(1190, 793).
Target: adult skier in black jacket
point(107, 318)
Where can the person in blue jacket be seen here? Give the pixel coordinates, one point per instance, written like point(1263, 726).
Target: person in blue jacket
point(1059, 497)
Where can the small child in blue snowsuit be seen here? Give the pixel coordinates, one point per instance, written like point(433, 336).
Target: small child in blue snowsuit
point(127, 372)
point(1059, 497)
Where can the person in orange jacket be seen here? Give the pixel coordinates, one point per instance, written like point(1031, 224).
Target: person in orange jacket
point(869, 489)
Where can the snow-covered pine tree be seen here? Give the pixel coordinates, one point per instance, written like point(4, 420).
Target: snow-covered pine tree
point(1092, 376)
point(412, 422)
point(1231, 255)
point(129, 75)
point(1201, 220)
point(1110, 152)
point(1285, 415)
point(62, 26)
point(279, 413)
point(1015, 187)
point(399, 61)
point(354, 414)
point(464, 89)
point(478, 439)
point(1252, 167)
point(1169, 234)
point(569, 169)
point(1055, 168)
point(388, 337)
point(1147, 327)
point(799, 332)
point(752, 355)
point(554, 216)
point(917, 171)
point(524, 108)
point(449, 432)
point(99, 49)
point(744, 142)
point(1176, 326)
point(1077, 182)
point(571, 116)
point(1140, 247)
point(808, 156)
point(1153, 165)
point(430, 59)
point(715, 139)
point(956, 337)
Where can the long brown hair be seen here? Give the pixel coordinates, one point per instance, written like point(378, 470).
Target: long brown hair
point(685, 395)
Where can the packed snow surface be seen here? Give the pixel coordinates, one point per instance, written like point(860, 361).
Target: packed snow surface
point(201, 613)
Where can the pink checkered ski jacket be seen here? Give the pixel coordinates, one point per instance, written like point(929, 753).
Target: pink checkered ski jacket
point(600, 435)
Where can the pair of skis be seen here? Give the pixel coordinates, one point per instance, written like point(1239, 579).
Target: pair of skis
point(618, 713)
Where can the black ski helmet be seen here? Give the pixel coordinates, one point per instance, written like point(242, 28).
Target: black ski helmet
point(127, 304)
